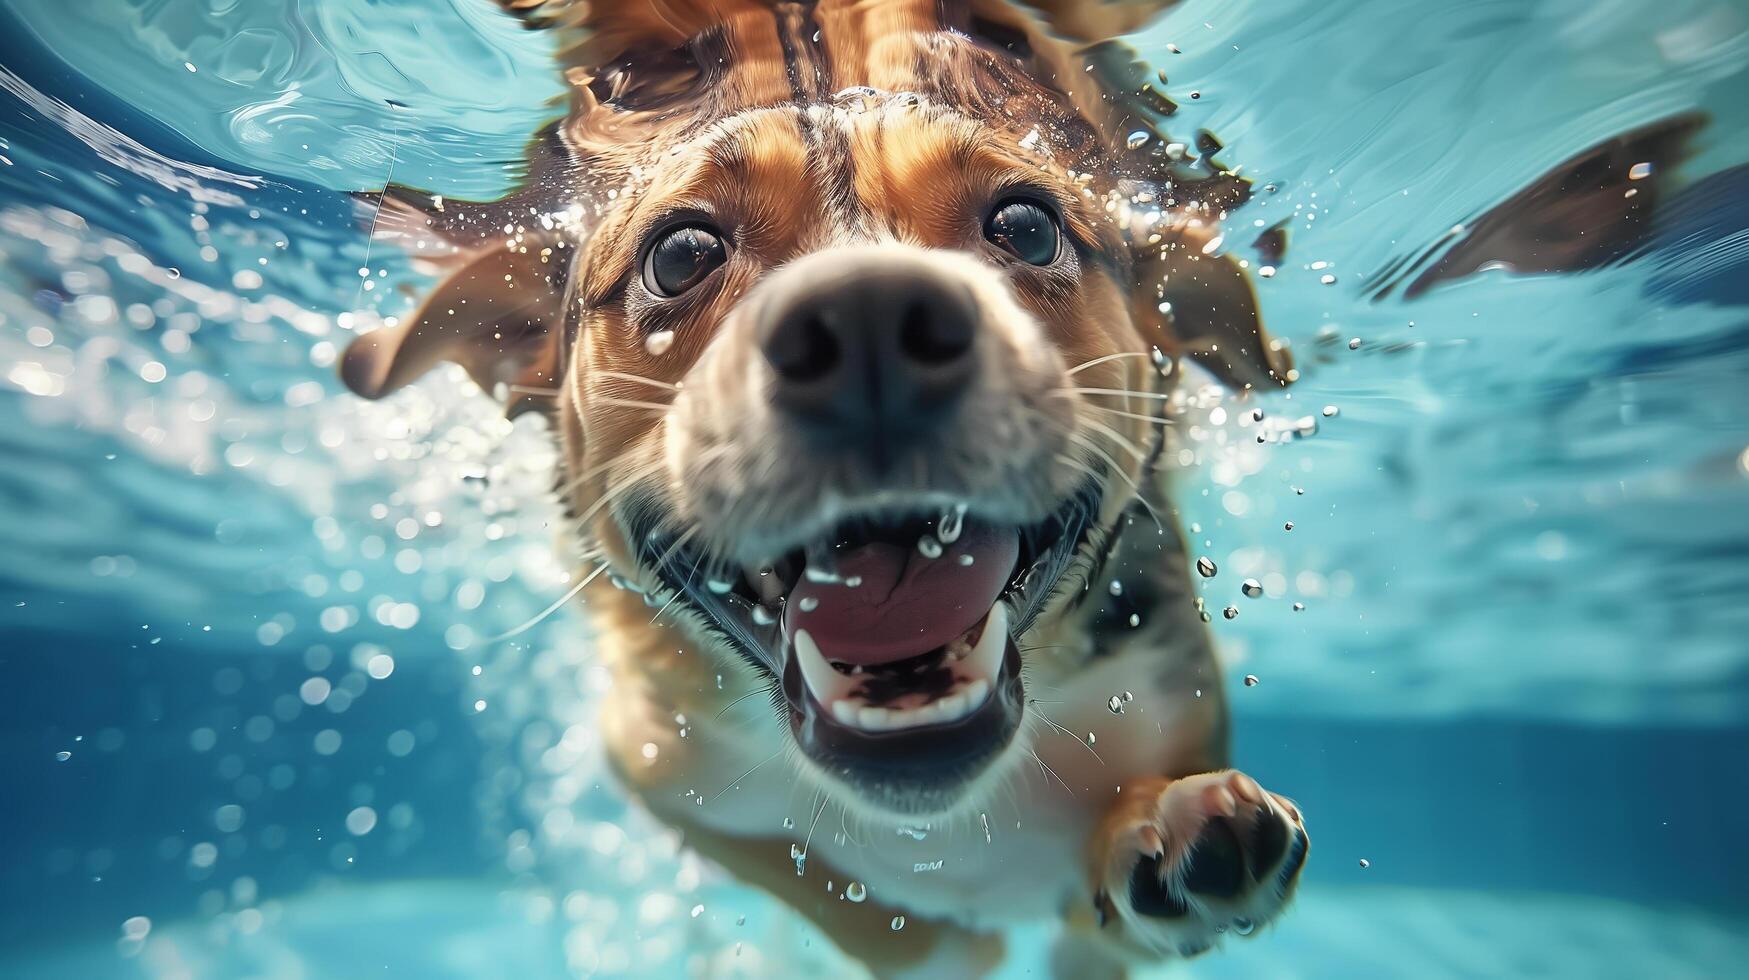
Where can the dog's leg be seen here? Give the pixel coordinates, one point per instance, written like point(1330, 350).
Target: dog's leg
point(1177, 863)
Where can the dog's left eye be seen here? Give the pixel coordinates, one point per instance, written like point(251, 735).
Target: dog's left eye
point(1025, 229)
point(682, 258)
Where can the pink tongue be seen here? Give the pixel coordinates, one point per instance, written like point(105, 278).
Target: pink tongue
point(906, 604)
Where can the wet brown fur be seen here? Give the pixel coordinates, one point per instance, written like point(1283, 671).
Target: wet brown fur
point(715, 106)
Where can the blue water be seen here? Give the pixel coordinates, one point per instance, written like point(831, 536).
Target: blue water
point(251, 727)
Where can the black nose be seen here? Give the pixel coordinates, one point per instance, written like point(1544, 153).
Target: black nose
point(872, 358)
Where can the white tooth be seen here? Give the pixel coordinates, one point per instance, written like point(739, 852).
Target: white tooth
point(874, 719)
point(844, 712)
point(976, 692)
point(951, 708)
point(822, 680)
point(986, 658)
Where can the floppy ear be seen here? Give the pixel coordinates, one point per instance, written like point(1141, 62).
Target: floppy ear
point(497, 315)
point(1592, 209)
point(1212, 317)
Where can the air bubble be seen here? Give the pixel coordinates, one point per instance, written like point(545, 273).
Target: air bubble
point(1115, 704)
point(1354, 343)
point(659, 343)
point(1251, 587)
point(1205, 567)
point(1136, 140)
point(1330, 411)
point(1250, 680)
point(855, 891)
point(947, 530)
point(1231, 612)
point(898, 922)
point(928, 546)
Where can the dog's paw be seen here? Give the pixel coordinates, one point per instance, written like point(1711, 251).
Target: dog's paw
point(1181, 862)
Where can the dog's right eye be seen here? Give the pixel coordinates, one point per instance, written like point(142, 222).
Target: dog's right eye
point(682, 258)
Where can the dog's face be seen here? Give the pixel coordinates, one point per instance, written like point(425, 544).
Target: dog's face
point(857, 386)
point(824, 362)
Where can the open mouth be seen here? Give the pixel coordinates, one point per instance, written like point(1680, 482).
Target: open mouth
point(893, 635)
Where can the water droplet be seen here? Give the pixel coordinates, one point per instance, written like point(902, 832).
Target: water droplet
point(928, 546)
point(1205, 567)
point(1250, 680)
point(1231, 612)
point(1251, 587)
point(952, 522)
point(1115, 704)
point(1354, 343)
point(898, 922)
point(855, 891)
point(659, 343)
point(1364, 863)
point(1136, 140)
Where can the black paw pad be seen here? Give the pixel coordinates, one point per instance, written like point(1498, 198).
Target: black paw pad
point(1216, 865)
point(1296, 858)
point(1148, 894)
point(1269, 837)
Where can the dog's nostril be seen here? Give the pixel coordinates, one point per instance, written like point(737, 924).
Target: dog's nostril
point(804, 349)
point(929, 335)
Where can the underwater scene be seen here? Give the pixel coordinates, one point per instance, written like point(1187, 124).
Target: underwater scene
point(306, 685)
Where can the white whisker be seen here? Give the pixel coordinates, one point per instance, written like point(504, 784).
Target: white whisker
point(1124, 392)
point(629, 403)
point(548, 611)
point(636, 378)
point(1084, 365)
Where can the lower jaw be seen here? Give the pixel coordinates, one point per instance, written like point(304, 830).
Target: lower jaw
point(916, 771)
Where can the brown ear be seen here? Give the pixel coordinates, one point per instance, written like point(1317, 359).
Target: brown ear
point(1592, 209)
point(1212, 317)
point(497, 315)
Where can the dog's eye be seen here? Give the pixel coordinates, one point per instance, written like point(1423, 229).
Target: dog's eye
point(682, 258)
point(1025, 229)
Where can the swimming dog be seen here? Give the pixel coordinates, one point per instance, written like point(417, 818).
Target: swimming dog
point(857, 322)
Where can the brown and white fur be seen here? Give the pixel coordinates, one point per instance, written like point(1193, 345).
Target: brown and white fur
point(855, 148)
